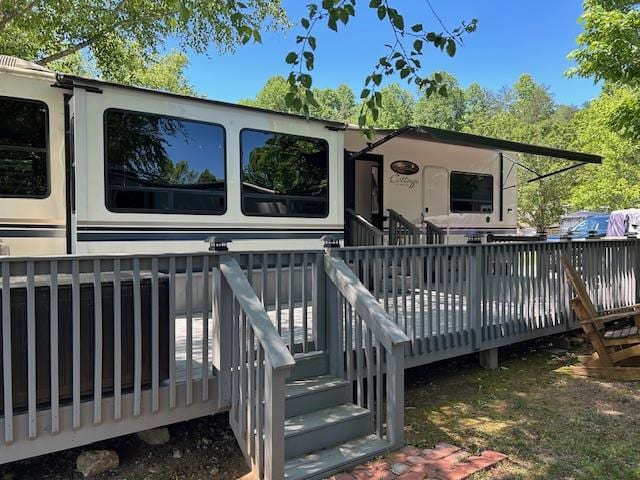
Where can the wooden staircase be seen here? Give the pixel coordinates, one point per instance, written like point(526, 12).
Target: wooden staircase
point(324, 431)
point(309, 415)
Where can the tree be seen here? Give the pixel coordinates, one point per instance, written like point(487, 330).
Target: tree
point(396, 107)
point(65, 33)
point(403, 54)
point(442, 111)
point(615, 183)
point(271, 95)
point(608, 50)
point(334, 104)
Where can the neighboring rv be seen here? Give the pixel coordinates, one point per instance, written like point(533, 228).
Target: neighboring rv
point(87, 166)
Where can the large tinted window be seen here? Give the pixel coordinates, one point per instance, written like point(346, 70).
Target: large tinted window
point(23, 148)
point(164, 164)
point(471, 193)
point(284, 175)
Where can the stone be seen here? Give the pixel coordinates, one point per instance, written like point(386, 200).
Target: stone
point(155, 436)
point(177, 453)
point(95, 462)
point(399, 468)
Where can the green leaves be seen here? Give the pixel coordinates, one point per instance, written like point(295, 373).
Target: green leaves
point(291, 58)
point(400, 60)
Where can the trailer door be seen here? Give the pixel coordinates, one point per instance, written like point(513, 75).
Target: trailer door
point(435, 194)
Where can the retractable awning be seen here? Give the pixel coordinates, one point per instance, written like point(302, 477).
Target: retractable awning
point(476, 141)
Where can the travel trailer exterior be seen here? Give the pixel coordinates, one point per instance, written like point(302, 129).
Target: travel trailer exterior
point(461, 189)
point(92, 167)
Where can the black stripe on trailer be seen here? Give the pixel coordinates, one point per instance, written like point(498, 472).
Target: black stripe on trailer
point(169, 235)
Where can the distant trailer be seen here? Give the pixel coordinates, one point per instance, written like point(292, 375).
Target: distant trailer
point(88, 166)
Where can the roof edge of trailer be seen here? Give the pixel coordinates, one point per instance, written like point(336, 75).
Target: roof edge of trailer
point(477, 141)
point(64, 79)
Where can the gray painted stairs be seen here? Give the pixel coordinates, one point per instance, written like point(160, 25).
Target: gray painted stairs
point(324, 431)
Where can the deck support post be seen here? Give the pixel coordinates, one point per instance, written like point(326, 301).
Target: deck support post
point(489, 359)
point(475, 295)
point(222, 309)
point(274, 422)
point(395, 396)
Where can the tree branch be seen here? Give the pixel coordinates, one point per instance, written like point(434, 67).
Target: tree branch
point(85, 43)
point(7, 18)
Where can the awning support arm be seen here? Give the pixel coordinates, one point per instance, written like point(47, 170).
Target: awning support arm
point(547, 175)
point(385, 139)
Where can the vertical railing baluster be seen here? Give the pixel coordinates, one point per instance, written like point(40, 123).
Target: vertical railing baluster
point(54, 346)
point(172, 332)
point(7, 380)
point(137, 340)
point(97, 349)
point(31, 351)
point(189, 327)
point(75, 302)
point(117, 341)
point(303, 272)
point(206, 304)
point(292, 343)
point(155, 336)
point(278, 293)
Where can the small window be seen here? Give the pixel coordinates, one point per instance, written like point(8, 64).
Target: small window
point(471, 193)
point(284, 175)
point(23, 148)
point(163, 164)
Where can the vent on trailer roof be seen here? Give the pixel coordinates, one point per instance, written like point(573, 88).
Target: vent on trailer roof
point(15, 62)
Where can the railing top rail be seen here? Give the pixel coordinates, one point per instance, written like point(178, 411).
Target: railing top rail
point(366, 306)
point(487, 245)
point(276, 351)
point(144, 256)
point(406, 223)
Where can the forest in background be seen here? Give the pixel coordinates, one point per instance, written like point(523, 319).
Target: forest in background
point(526, 112)
point(124, 42)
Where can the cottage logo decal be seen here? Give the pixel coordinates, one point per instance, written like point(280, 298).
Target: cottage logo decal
point(405, 167)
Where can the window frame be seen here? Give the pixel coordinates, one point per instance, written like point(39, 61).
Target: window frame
point(47, 149)
point(161, 212)
point(477, 174)
point(294, 215)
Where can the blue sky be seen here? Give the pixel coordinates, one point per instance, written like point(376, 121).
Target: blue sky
point(513, 37)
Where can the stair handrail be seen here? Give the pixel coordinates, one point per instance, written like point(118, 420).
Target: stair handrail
point(265, 332)
point(256, 365)
point(360, 231)
point(434, 234)
point(364, 303)
point(349, 343)
point(402, 231)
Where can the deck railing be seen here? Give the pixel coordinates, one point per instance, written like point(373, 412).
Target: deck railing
point(403, 232)
point(372, 345)
point(93, 347)
point(259, 364)
point(359, 231)
point(290, 284)
point(456, 299)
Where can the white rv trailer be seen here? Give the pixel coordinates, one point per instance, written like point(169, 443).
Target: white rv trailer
point(88, 166)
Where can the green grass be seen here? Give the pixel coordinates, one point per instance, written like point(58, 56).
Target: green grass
point(551, 424)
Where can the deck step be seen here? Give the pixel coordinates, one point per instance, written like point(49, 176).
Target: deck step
point(324, 428)
point(310, 365)
point(309, 394)
point(323, 463)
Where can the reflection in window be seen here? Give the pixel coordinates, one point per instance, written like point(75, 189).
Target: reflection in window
point(284, 175)
point(471, 193)
point(23, 148)
point(164, 164)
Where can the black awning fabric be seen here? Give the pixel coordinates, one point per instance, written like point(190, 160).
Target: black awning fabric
point(476, 141)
